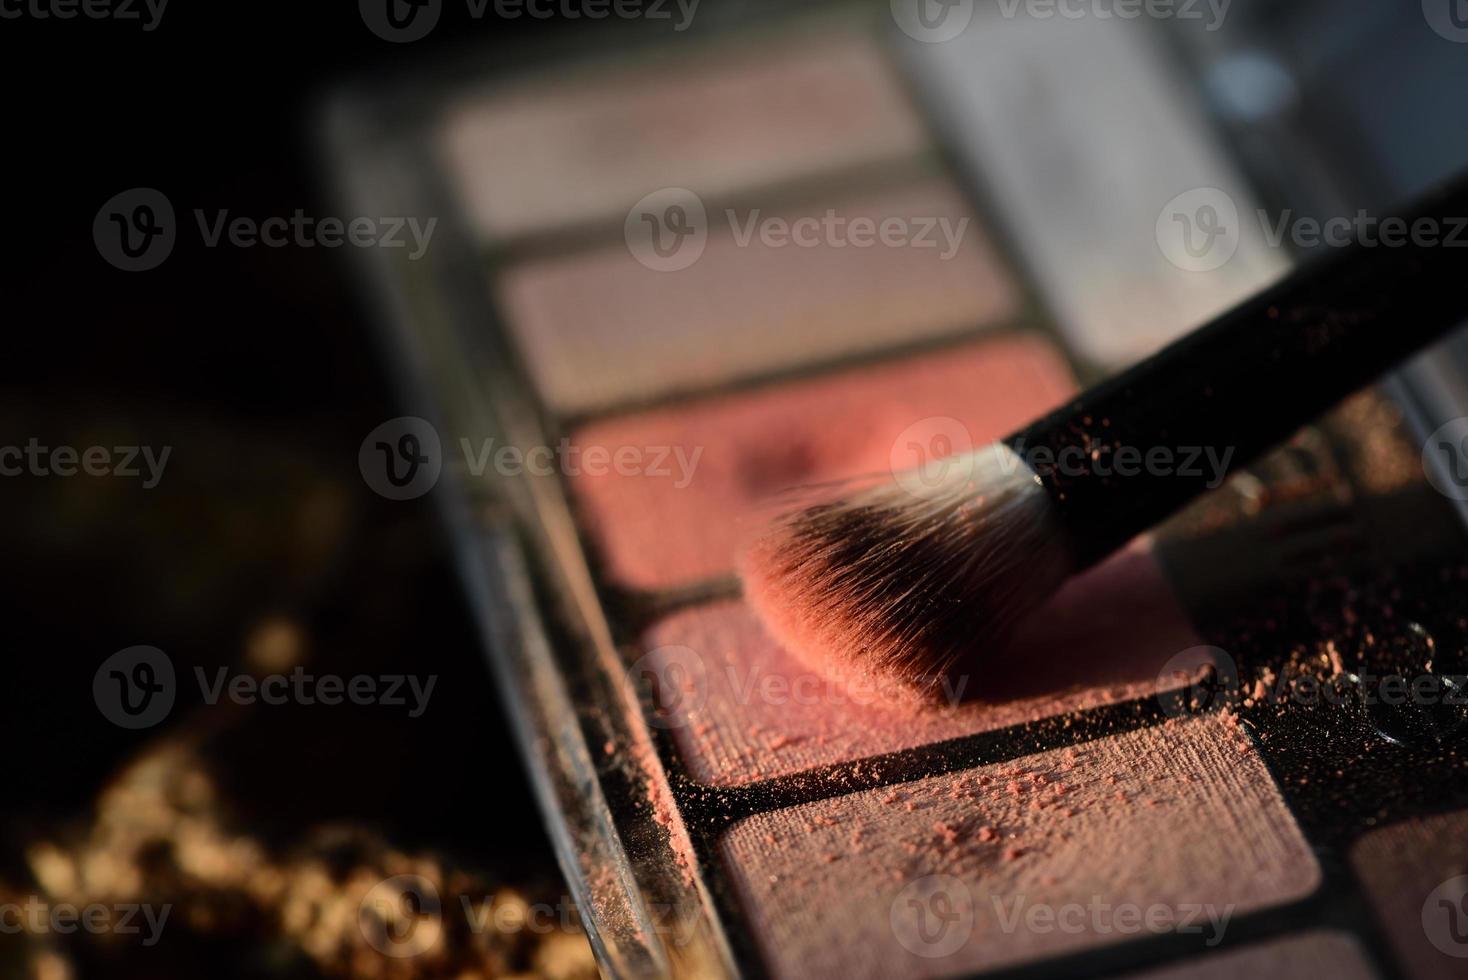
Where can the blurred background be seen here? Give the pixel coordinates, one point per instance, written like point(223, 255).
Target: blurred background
point(261, 549)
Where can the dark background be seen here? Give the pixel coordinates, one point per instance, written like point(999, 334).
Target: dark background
point(257, 367)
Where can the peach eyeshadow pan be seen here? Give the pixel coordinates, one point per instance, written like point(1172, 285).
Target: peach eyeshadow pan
point(583, 145)
point(749, 711)
point(1416, 877)
point(663, 530)
point(598, 329)
point(1313, 954)
point(1179, 822)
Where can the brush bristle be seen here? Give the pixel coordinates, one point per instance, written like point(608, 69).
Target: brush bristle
point(912, 577)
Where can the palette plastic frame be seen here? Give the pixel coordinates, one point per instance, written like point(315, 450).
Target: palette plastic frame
point(560, 639)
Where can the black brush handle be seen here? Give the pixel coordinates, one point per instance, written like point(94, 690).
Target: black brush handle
point(1248, 380)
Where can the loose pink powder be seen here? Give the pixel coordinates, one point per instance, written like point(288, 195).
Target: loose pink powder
point(932, 891)
point(656, 530)
point(747, 709)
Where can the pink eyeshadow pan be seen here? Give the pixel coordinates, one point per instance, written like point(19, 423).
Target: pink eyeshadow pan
point(653, 532)
point(584, 145)
point(597, 329)
point(748, 710)
point(926, 878)
point(1416, 877)
point(1314, 954)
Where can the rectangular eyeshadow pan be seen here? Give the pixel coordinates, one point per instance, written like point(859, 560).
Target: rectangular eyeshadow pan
point(1179, 814)
point(754, 712)
point(597, 329)
point(584, 145)
point(1320, 954)
point(650, 533)
point(1409, 870)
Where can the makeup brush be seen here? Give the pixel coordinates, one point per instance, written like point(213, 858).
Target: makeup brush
point(913, 576)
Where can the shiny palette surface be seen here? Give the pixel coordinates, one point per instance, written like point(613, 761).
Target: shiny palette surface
point(1133, 788)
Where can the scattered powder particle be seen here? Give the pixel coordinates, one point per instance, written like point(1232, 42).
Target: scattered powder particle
point(1013, 853)
point(609, 747)
point(988, 834)
point(947, 831)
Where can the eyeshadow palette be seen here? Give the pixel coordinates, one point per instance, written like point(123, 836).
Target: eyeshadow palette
point(777, 253)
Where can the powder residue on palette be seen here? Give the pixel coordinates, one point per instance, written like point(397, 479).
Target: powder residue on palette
point(750, 710)
point(1169, 817)
point(658, 531)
